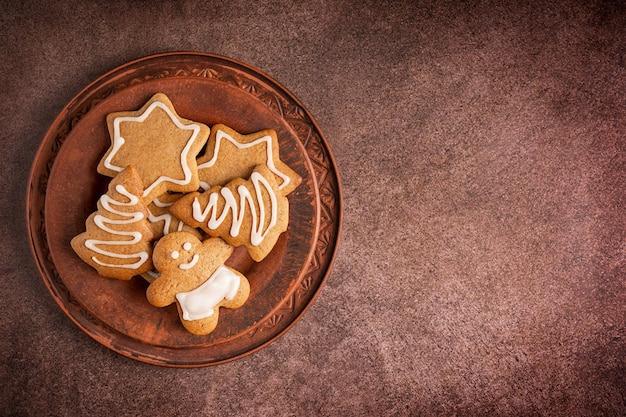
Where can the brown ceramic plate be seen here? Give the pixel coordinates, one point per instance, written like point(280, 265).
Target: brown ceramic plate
point(64, 188)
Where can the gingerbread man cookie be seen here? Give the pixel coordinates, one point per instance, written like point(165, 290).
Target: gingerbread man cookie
point(193, 274)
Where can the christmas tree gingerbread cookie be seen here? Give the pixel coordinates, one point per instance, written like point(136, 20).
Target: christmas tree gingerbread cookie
point(250, 212)
point(193, 275)
point(230, 155)
point(160, 145)
point(118, 237)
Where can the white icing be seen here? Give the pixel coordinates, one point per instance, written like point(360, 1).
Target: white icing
point(166, 218)
point(220, 134)
point(154, 274)
point(239, 210)
point(187, 245)
point(102, 222)
point(161, 204)
point(118, 141)
point(200, 303)
point(191, 264)
point(175, 254)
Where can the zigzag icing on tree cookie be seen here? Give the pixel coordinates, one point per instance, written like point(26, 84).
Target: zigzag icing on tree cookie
point(239, 208)
point(250, 212)
point(117, 241)
point(107, 224)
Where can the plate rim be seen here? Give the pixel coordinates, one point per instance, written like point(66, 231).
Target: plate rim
point(36, 195)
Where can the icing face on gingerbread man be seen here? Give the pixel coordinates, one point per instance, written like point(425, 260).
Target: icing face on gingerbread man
point(186, 256)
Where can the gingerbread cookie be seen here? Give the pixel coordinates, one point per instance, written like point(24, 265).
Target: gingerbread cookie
point(161, 145)
point(117, 240)
point(230, 155)
point(250, 212)
point(193, 274)
point(162, 221)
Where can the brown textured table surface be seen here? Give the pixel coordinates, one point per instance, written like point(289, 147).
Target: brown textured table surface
point(482, 156)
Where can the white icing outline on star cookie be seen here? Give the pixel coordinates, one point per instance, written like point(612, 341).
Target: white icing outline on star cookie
point(270, 160)
point(118, 141)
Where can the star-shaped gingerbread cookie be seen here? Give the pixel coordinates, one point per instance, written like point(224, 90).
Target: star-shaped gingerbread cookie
point(160, 145)
point(231, 155)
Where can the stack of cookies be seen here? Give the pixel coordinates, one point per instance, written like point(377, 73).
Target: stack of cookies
point(181, 198)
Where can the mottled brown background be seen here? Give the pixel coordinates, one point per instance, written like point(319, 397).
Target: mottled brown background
point(482, 152)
